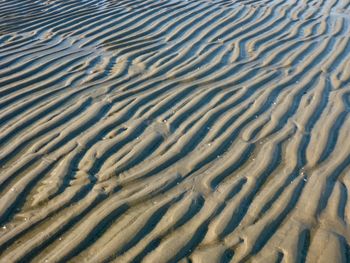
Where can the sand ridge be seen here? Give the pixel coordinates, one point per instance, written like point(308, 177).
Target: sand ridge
point(174, 131)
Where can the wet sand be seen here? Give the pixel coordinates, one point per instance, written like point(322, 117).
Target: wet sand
point(174, 131)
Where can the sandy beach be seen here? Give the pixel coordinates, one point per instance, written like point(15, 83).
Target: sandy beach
point(174, 131)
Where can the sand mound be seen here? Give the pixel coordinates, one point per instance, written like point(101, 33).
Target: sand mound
point(174, 131)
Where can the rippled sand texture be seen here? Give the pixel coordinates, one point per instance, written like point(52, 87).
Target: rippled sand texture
point(175, 131)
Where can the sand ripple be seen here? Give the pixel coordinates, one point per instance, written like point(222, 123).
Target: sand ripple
point(168, 131)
